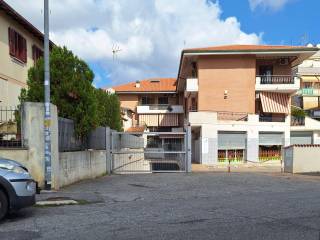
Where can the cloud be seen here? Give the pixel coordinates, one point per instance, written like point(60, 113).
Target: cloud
point(150, 33)
point(273, 5)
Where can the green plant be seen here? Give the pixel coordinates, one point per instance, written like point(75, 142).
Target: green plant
point(297, 112)
point(71, 91)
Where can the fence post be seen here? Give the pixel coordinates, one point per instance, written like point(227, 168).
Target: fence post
point(108, 150)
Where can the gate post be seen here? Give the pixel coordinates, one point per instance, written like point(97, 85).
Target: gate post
point(108, 150)
point(188, 149)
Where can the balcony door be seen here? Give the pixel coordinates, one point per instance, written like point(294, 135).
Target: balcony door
point(266, 72)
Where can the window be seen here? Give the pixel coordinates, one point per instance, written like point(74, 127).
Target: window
point(36, 53)
point(145, 100)
point(163, 100)
point(17, 46)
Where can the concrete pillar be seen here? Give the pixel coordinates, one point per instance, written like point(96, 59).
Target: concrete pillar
point(316, 137)
point(188, 149)
point(108, 151)
point(33, 137)
point(253, 145)
point(209, 144)
point(287, 137)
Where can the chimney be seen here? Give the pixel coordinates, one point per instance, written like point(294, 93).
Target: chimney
point(137, 84)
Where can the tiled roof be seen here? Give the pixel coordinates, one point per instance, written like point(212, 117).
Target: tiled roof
point(149, 85)
point(137, 129)
point(249, 48)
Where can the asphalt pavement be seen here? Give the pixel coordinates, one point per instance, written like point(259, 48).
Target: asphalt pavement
point(177, 206)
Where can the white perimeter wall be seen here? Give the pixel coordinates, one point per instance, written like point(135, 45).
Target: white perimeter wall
point(302, 159)
point(76, 166)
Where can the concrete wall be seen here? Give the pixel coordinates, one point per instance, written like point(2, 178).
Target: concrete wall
point(13, 74)
point(234, 74)
point(129, 101)
point(33, 137)
point(302, 159)
point(76, 166)
point(67, 167)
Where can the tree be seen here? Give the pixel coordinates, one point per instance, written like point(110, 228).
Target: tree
point(109, 110)
point(71, 90)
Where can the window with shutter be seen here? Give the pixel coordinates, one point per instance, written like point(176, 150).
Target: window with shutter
point(36, 53)
point(17, 45)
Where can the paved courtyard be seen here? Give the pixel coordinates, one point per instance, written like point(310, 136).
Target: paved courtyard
point(178, 206)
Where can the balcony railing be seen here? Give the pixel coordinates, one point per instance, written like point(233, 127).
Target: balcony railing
point(309, 92)
point(275, 79)
point(232, 116)
point(297, 121)
point(159, 108)
point(271, 119)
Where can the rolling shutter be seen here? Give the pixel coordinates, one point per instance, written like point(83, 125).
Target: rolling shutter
point(301, 138)
point(270, 139)
point(231, 140)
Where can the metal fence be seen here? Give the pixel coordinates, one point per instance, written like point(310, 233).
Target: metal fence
point(69, 142)
point(10, 127)
point(148, 152)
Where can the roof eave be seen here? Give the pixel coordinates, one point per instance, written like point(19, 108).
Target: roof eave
point(143, 92)
point(263, 51)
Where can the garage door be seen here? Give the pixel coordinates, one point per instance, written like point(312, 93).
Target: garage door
point(270, 139)
point(301, 138)
point(232, 140)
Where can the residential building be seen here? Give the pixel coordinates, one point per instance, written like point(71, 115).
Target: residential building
point(237, 101)
point(308, 97)
point(151, 105)
point(21, 44)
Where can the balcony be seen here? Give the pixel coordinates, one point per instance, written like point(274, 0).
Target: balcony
point(297, 121)
point(272, 118)
point(232, 116)
point(275, 83)
point(309, 92)
point(159, 108)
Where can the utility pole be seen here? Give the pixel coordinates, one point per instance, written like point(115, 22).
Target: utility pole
point(47, 115)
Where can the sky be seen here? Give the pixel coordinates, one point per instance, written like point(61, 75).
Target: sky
point(149, 35)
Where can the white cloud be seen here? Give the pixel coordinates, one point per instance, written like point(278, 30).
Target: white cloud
point(268, 4)
point(150, 33)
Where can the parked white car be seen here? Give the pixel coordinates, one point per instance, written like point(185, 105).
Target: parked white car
point(17, 188)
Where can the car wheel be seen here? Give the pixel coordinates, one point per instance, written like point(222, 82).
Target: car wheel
point(3, 205)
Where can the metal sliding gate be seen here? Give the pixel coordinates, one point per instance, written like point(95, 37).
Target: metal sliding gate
point(149, 152)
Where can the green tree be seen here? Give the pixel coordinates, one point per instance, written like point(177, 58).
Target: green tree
point(71, 89)
point(109, 113)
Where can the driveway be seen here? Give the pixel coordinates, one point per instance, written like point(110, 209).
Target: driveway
point(178, 206)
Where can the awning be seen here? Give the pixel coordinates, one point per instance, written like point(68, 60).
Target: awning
point(275, 102)
point(310, 78)
point(162, 120)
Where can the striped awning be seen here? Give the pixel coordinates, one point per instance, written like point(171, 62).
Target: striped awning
point(275, 102)
point(163, 120)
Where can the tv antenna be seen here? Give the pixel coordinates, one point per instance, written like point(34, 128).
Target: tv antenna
point(115, 50)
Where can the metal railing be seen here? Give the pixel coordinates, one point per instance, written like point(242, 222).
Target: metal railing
point(276, 79)
point(10, 127)
point(309, 92)
point(272, 119)
point(297, 121)
point(232, 116)
point(158, 106)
